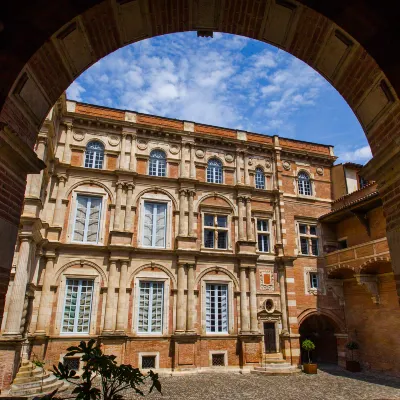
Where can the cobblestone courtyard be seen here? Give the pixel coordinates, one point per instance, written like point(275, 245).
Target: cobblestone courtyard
point(332, 384)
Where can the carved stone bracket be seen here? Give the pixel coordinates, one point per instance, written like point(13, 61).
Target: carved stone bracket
point(370, 282)
point(336, 286)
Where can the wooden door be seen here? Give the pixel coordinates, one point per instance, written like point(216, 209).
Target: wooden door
point(269, 337)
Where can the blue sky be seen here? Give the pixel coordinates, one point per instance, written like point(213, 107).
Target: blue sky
point(227, 81)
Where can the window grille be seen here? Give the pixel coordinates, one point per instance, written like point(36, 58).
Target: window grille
point(72, 363)
point(263, 235)
point(215, 231)
point(216, 308)
point(157, 163)
point(313, 280)
point(94, 155)
point(308, 239)
point(148, 362)
point(260, 179)
point(304, 184)
point(150, 310)
point(77, 306)
point(214, 171)
point(87, 219)
point(218, 360)
point(154, 224)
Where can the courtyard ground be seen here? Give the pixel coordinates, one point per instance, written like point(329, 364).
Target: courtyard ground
point(330, 383)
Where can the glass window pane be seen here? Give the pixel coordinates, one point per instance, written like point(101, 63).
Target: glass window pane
point(304, 245)
point(150, 308)
point(222, 221)
point(87, 219)
point(209, 238)
point(314, 245)
point(216, 308)
point(222, 239)
point(303, 228)
point(313, 230)
point(94, 155)
point(263, 243)
point(262, 225)
point(208, 220)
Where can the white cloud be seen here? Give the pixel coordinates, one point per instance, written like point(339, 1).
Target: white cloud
point(359, 155)
point(75, 90)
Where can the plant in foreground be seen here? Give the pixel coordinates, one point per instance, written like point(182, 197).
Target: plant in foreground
point(308, 346)
point(114, 378)
point(352, 346)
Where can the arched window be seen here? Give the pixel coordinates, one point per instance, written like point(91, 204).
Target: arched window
point(157, 163)
point(214, 171)
point(260, 178)
point(94, 156)
point(304, 184)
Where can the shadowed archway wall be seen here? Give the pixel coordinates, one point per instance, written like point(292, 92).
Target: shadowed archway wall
point(45, 45)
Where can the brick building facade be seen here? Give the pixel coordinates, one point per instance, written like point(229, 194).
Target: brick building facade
point(177, 245)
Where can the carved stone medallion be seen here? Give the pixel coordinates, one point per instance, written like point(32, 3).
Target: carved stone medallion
point(200, 153)
point(320, 171)
point(286, 165)
point(142, 144)
point(79, 135)
point(113, 140)
point(229, 157)
point(174, 148)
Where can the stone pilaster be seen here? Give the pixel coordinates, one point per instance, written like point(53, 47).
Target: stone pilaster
point(182, 209)
point(192, 162)
point(191, 194)
point(117, 213)
point(45, 305)
point(58, 217)
point(238, 169)
point(246, 170)
point(37, 179)
point(253, 300)
point(242, 236)
point(244, 307)
point(282, 289)
point(132, 161)
point(182, 170)
point(16, 302)
point(67, 146)
point(109, 317)
point(128, 223)
point(180, 306)
point(190, 320)
point(249, 224)
point(122, 306)
point(122, 155)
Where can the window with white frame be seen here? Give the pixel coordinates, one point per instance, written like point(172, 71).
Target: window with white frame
point(214, 171)
point(313, 276)
point(304, 184)
point(215, 231)
point(77, 306)
point(260, 178)
point(154, 224)
point(87, 219)
point(94, 155)
point(308, 239)
point(157, 163)
point(150, 310)
point(263, 237)
point(216, 308)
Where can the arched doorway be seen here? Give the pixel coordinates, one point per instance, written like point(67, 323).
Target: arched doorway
point(321, 330)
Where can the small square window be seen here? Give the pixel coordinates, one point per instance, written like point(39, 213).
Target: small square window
point(313, 280)
point(303, 228)
point(218, 360)
point(262, 225)
point(72, 363)
point(148, 362)
point(343, 244)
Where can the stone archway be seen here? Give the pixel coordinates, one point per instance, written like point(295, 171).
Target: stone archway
point(350, 43)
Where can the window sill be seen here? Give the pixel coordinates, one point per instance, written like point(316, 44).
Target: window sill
point(308, 255)
point(213, 250)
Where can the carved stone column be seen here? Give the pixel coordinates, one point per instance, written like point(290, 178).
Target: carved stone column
point(67, 146)
point(180, 306)
point(182, 209)
point(192, 160)
point(128, 211)
point(240, 218)
point(16, 302)
point(253, 300)
point(109, 318)
point(190, 298)
point(132, 161)
point(182, 172)
point(45, 305)
point(58, 217)
point(249, 225)
point(191, 194)
point(246, 170)
point(117, 213)
point(238, 171)
point(244, 308)
point(37, 179)
point(123, 152)
point(282, 289)
point(122, 309)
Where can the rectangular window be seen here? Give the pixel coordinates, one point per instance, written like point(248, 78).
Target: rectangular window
point(216, 308)
point(215, 231)
point(87, 219)
point(77, 306)
point(308, 239)
point(342, 244)
point(313, 280)
point(263, 234)
point(154, 224)
point(150, 310)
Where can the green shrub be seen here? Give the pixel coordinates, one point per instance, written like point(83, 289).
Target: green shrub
point(352, 346)
point(308, 346)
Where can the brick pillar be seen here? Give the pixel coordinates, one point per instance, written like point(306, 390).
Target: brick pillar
point(45, 305)
point(341, 340)
point(244, 307)
point(122, 309)
point(282, 292)
point(16, 304)
point(109, 318)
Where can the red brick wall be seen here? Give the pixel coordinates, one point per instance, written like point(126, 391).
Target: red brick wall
point(111, 162)
point(77, 158)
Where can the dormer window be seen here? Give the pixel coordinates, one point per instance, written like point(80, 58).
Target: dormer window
point(214, 171)
point(94, 155)
point(157, 163)
point(304, 184)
